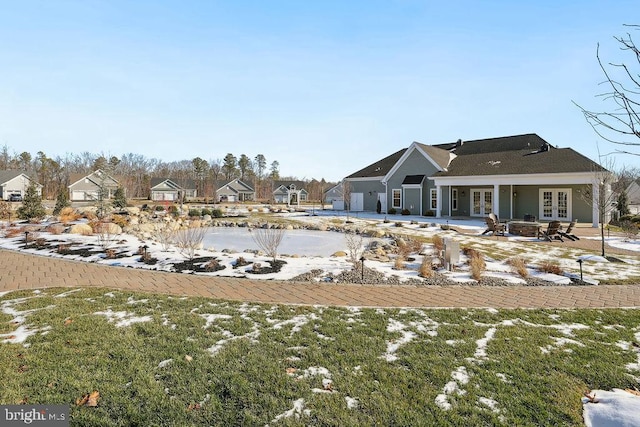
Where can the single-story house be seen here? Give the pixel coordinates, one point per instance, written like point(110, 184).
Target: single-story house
point(15, 182)
point(511, 176)
point(235, 191)
point(289, 192)
point(172, 190)
point(84, 188)
point(335, 197)
point(633, 196)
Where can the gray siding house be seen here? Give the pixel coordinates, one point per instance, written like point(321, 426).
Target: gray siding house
point(166, 189)
point(511, 176)
point(235, 191)
point(84, 188)
point(14, 182)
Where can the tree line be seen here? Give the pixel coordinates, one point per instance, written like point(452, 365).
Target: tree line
point(134, 172)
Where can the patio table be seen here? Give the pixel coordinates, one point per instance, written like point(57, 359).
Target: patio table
point(524, 228)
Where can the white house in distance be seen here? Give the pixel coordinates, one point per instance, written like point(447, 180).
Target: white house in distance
point(15, 182)
point(85, 188)
point(633, 196)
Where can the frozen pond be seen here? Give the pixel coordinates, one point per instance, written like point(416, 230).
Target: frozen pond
point(294, 242)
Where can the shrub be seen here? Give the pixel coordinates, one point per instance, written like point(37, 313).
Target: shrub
point(212, 265)
point(378, 206)
point(216, 213)
point(55, 229)
point(398, 263)
point(206, 211)
point(195, 212)
point(392, 211)
point(173, 210)
point(438, 243)
point(630, 229)
point(518, 265)
point(121, 220)
point(552, 267)
point(68, 214)
point(32, 208)
point(158, 208)
point(429, 213)
point(426, 267)
point(398, 224)
point(478, 266)
point(5, 210)
point(405, 212)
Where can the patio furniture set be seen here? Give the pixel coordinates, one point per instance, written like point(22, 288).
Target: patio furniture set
point(530, 228)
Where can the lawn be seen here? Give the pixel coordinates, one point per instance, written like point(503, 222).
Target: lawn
point(160, 360)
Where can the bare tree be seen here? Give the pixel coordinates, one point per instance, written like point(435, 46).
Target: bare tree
point(188, 241)
point(268, 239)
point(163, 234)
point(346, 196)
point(355, 246)
point(620, 122)
point(600, 196)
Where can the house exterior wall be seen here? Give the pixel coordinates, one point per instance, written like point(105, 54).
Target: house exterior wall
point(17, 185)
point(412, 200)
point(414, 164)
point(370, 190)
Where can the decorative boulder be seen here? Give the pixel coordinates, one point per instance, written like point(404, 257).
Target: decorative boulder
point(82, 229)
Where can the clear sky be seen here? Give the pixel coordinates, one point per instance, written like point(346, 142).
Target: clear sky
point(323, 87)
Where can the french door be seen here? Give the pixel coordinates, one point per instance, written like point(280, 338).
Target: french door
point(481, 202)
point(555, 204)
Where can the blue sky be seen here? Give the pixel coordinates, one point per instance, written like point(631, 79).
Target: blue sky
point(323, 87)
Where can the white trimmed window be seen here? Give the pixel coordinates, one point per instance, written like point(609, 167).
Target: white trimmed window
point(454, 199)
point(396, 198)
point(434, 199)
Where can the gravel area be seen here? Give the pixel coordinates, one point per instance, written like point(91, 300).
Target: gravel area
point(373, 277)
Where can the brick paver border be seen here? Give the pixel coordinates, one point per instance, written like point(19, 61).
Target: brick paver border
point(26, 271)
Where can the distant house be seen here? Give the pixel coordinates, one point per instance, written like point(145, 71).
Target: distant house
point(172, 190)
point(235, 191)
point(334, 196)
point(633, 196)
point(511, 176)
point(15, 182)
point(290, 192)
point(87, 187)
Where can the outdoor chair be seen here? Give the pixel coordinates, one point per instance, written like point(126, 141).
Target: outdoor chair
point(567, 233)
point(493, 226)
point(551, 233)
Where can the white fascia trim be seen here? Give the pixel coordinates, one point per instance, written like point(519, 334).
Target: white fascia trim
point(530, 179)
point(405, 156)
point(369, 178)
point(411, 185)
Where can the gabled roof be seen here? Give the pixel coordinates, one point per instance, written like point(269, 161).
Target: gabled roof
point(284, 189)
point(520, 162)
point(182, 183)
point(439, 155)
point(236, 186)
point(379, 168)
point(8, 175)
point(94, 177)
point(287, 183)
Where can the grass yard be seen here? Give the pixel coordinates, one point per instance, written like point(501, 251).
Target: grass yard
point(158, 360)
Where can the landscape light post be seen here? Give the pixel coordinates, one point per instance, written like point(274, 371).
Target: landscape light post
point(26, 239)
point(580, 262)
point(362, 261)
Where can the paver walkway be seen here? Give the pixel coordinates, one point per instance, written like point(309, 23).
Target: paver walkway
point(24, 271)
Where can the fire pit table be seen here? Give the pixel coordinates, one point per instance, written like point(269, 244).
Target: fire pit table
point(524, 228)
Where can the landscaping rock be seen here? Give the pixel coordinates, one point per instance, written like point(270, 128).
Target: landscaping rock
point(82, 229)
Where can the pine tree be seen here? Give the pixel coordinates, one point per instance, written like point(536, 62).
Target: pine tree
point(32, 208)
point(62, 201)
point(119, 199)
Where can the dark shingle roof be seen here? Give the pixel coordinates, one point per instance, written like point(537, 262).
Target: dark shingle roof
point(530, 141)
point(518, 162)
point(8, 175)
point(184, 183)
point(379, 168)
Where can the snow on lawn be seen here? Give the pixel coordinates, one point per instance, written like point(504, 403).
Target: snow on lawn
point(127, 246)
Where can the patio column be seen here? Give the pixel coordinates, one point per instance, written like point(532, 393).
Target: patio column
point(438, 201)
point(496, 199)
